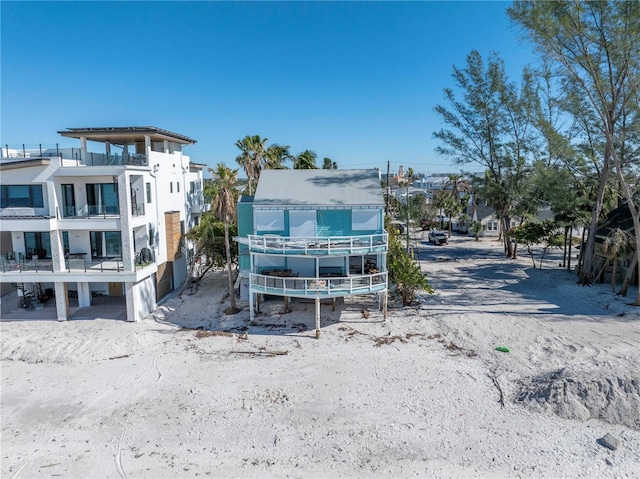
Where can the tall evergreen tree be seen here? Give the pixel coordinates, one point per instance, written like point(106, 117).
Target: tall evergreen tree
point(596, 48)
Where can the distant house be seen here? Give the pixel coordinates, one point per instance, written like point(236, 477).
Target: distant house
point(313, 234)
point(487, 217)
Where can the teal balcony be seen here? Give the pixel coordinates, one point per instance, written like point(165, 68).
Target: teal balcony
point(330, 245)
point(318, 287)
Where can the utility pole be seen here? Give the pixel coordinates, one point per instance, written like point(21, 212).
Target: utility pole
point(386, 196)
point(407, 205)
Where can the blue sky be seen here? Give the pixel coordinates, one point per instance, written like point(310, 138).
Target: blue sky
point(353, 81)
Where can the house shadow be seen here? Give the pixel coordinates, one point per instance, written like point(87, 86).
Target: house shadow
point(298, 321)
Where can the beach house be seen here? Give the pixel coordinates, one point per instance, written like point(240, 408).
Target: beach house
point(77, 224)
point(313, 234)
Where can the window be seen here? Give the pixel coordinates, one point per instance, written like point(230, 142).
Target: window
point(68, 201)
point(22, 195)
point(105, 244)
point(178, 186)
point(65, 241)
point(102, 198)
point(192, 187)
point(37, 244)
point(364, 220)
point(269, 220)
point(492, 226)
point(152, 235)
point(148, 185)
point(170, 187)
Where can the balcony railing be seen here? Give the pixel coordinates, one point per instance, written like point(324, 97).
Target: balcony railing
point(72, 265)
point(324, 287)
point(318, 246)
point(26, 265)
point(137, 210)
point(92, 211)
point(102, 159)
point(75, 155)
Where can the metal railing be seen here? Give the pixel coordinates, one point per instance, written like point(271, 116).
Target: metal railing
point(71, 265)
point(334, 286)
point(88, 212)
point(75, 154)
point(318, 245)
point(26, 265)
point(137, 210)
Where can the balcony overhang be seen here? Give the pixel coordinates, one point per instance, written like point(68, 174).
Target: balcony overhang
point(126, 135)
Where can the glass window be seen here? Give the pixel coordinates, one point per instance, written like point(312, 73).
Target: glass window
point(364, 220)
point(102, 198)
point(37, 244)
point(105, 244)
point(178, 186)
point(269, 220)
point(148, 185)
point(22, 196)
point(170, 187)
point(65, 241)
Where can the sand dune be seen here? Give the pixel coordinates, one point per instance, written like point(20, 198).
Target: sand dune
point(190, 392)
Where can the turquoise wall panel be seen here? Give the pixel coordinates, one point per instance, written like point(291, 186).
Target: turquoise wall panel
point(245, 219)
point(334, 222)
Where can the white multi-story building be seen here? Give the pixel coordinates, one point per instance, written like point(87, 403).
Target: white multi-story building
point(82, 224)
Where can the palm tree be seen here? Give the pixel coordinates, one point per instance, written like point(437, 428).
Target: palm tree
point(252, 157)
point(224, 207)
point(616, 245)
point(276, 155)
point(305, 161)
point(327, 164)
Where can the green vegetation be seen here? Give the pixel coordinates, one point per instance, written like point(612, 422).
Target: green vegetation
point(566, 134)
point(404, 272)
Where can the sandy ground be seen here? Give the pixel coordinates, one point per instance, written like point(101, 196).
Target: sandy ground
point(423, 394)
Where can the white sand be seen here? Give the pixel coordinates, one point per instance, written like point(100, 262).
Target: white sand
point(414, 396)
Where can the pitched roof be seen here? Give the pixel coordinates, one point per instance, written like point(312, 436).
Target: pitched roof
point(319, 188)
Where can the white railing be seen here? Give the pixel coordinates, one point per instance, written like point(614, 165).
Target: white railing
point(318, 245)
point(334, 286)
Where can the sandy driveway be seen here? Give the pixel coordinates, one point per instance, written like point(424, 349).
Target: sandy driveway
point(418, 395)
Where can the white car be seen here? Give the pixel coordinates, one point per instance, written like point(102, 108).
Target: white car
point(438, 237)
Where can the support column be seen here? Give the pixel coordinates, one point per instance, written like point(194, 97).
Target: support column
point(62, 301)
point(251, 312)
point(57, 250)
point(384, 304)
point(147, 146)
point(84, 295)
point(166, 146)
point(317, 317)
point(107, 148)
point(83, 149)
point(130, 299)
point(126, 232)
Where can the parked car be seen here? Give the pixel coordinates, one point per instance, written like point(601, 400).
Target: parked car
point(438, 237)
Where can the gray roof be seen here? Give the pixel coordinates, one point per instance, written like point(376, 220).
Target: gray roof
point(126, 134)
point(319, 188)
